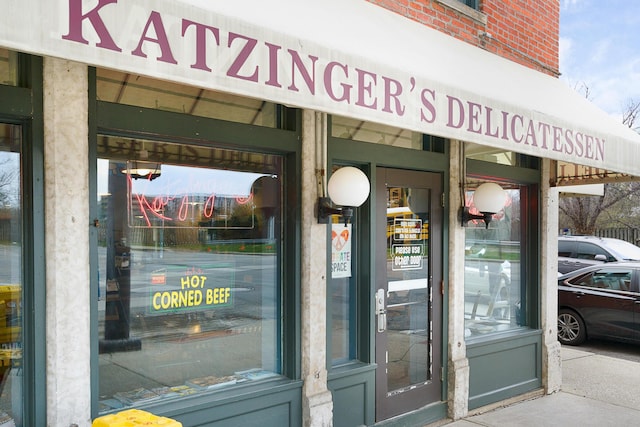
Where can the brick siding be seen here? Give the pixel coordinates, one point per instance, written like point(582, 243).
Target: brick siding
point(522, 31)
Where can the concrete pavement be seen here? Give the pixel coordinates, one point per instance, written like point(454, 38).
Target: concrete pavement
point(596, 391)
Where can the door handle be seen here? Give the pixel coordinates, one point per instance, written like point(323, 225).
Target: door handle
point(382, 321)
point(381, 310)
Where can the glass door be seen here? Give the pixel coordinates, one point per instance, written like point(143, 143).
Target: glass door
point(408, 295)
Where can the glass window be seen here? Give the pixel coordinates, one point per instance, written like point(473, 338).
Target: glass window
point(343, 288)
point(612, 278)
point(500, 156)
point(490, 154)
point(141, 91)
point(343, 285)
point(189, 270)
point(470, 3)
point(565, 248)
point(11, 279)
point(360, 130)
point(492, 280)
point(8, 67)
point(343, 321)
point(590, 251)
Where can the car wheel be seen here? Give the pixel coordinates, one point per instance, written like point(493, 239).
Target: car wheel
point(571, 330)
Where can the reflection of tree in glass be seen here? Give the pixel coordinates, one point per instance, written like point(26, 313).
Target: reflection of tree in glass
point(8, 182)
point(243, 223)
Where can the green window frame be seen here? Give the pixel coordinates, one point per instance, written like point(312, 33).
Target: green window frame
point(527, 180)
point(22, 105)
point(118, 120)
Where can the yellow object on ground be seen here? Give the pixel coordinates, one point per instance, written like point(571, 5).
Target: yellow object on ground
point(134, 418)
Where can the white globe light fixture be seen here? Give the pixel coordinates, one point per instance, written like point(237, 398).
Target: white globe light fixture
point(348, 188)
point(489, 198)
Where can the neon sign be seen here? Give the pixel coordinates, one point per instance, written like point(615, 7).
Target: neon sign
point(192, 197)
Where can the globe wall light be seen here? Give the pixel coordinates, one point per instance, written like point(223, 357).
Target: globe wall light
point(348, 188)
point(489, 198)
point(142, 170)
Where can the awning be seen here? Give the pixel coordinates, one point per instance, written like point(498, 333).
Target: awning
point(344, 57)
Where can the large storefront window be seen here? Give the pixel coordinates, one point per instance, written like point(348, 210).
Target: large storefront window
point(189, 270)
point(11, 278)
point(493, 265)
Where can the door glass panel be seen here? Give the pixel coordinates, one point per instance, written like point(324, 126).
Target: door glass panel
point(408, 288)
point(11, 281)
point(188, 266)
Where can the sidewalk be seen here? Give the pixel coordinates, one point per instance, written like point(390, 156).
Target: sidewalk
point(596, 391)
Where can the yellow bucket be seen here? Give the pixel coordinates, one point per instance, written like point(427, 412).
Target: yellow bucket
point(134, 418)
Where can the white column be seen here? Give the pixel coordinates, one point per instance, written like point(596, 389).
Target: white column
point(551, 350)
point(458, 364)
point(67, 243)
point(317, 405)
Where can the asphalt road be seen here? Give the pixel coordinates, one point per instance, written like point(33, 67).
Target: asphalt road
point(614, 349)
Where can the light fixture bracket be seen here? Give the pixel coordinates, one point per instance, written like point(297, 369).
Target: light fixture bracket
point(466, 216)
point(326, 209)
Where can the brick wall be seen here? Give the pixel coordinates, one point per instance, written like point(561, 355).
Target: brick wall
point(523, 31)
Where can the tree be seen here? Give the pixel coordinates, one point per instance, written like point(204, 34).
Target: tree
point(630, 114)
point(616, 207)
point(585, 213)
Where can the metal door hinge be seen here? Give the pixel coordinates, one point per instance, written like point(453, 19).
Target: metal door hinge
point(442, 200)
point(441, 287)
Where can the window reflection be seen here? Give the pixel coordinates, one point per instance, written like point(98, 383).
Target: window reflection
point(11, 281)
point(8, 67)
point(360, 130)
point(188, 271)
point(343, 325)
point(492, 284)
point(141, 91)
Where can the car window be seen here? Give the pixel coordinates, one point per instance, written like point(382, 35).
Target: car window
point(589, 251)
point(565, 248)
point(617, 279)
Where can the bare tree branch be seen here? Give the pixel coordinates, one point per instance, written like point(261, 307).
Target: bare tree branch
point(630, 114)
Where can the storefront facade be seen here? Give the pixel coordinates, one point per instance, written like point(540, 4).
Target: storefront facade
point(165, 162)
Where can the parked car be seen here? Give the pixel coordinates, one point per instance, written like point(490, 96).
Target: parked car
point(575, 252)
point(600, 301)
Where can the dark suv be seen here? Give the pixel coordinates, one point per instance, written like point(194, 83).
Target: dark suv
point(575, 252)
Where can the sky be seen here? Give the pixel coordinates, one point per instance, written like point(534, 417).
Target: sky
point(600, 50)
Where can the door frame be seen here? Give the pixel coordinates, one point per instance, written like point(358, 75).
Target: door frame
point(389, 404)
